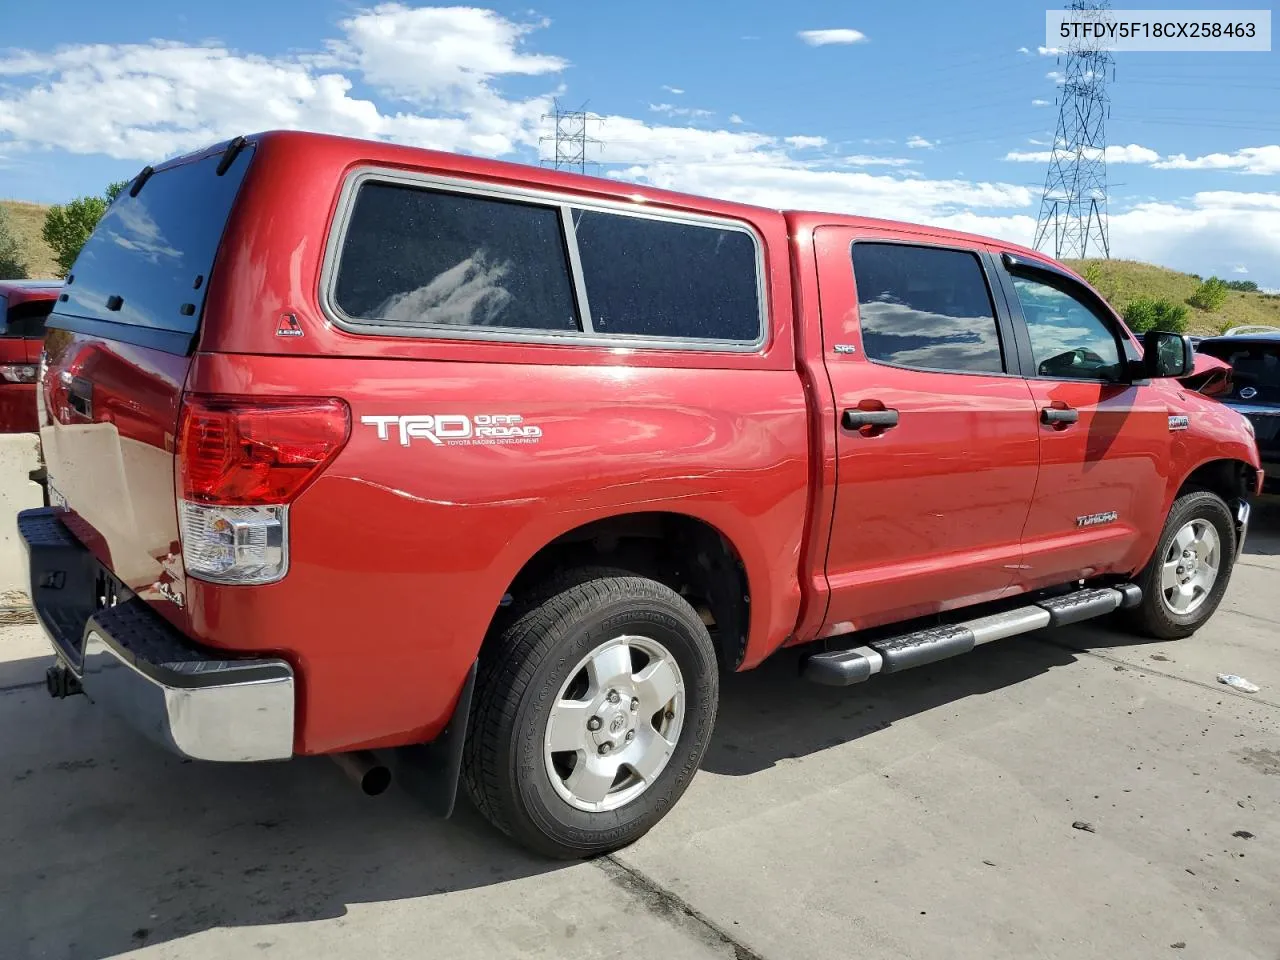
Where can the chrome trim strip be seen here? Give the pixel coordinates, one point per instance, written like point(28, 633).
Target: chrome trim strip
point(545, 197)
point(234, 710)
point(998, 626)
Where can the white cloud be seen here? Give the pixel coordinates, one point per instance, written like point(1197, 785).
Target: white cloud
point(1256, 160)
point(673, 111)
point(1024, 50)
point(920, 143)
point(1037, 143)
point(1056, 76)
point(145, 101)
point(734, 118)
point(822, 38)
point(1239, 268)
point(1048, 51)
point(1133, 153)
point(1116, 153)
point(676, 90)
point(1040, 103)
point(862, 160)
point(806, 143)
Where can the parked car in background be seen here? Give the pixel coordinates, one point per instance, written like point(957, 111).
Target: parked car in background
point(1211, 376)
point(1253, 354)
point(502, 466)
point(24, 305)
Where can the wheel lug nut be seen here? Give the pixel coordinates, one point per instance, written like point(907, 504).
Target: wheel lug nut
point(605, 748)
point(670, 714)
point(613, 696)
point(631, 735)
point(635, 704)
point(593, 724)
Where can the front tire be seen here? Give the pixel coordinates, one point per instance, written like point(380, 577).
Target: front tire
point(1188, 574)
point(592, 713)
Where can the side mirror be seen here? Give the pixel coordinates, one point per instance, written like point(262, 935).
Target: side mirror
point(1167, 354)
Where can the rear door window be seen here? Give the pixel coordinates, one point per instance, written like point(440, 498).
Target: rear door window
point(425, 258)
point(669, 279)
point(926, 307)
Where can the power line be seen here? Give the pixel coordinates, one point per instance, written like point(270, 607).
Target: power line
point(1073, 208)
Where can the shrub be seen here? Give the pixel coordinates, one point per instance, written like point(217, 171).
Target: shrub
point(1244, 286)
point(1093, 274)
point(67, 226)
point(1152, 313)
point(12, 266)
point(1210, 295)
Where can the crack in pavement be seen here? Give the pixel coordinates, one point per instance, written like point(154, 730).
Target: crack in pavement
point(1142, 668)
point(32, 685)
point(668, 906)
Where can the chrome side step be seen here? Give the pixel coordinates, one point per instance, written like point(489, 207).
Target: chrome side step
point(840, 668)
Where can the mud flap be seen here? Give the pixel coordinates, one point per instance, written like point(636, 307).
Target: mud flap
point(430, 771)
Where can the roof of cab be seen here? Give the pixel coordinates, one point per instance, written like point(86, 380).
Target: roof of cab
point(21, 291)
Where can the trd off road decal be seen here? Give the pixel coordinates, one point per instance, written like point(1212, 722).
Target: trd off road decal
point(456, 429)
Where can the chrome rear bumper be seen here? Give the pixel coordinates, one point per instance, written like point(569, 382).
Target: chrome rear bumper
point(197, 703)
point(196, 706)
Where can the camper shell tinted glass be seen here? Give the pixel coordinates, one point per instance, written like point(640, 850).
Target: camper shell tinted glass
point(143, 274)
point(428, 257)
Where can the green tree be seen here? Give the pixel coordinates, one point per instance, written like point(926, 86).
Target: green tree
point(1244, 286)
point(67, 226)
point(12, 266)
point(1210, 295)
point(1155, 313)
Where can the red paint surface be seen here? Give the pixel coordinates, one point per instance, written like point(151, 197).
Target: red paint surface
point(401, 554)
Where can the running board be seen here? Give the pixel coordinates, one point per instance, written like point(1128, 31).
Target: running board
point(840, 668)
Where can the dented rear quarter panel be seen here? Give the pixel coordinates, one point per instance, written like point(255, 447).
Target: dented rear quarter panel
point(401, 554)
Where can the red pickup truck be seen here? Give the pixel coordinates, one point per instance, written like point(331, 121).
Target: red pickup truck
point(356, 447)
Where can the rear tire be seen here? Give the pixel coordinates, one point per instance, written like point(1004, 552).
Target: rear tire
point(592, 712)
point(1188, 573)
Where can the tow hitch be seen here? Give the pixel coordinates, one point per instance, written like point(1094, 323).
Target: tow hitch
point(61, 682)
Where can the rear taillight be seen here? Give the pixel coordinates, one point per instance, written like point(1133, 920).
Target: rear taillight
point(241, 462)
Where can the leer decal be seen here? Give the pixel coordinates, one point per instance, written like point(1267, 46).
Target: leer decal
point(456, 429)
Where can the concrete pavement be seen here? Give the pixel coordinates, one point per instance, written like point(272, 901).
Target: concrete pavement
point(923, 815)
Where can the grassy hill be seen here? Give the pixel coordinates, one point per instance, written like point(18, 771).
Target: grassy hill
point(26, 220)
point(1122, 280)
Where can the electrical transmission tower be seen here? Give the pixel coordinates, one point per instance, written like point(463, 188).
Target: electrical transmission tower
point(569, 137)
point(1073, 209)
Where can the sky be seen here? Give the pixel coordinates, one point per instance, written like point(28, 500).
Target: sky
point(922, 111)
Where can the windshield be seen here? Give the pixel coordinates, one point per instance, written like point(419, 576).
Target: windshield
point(1255, 368)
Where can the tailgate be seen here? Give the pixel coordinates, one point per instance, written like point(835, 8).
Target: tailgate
point(116, 357)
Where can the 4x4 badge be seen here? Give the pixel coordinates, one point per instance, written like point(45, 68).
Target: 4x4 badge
point(288, 326)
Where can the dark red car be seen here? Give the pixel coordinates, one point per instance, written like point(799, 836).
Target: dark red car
point(24, 305)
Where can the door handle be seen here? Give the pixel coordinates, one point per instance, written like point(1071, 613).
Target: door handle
point(856, 418)
point(1059, 416)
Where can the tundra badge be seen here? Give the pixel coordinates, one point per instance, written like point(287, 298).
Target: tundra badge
point(1093, 519)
